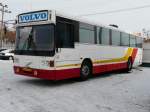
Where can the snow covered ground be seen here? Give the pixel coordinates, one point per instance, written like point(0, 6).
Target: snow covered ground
point(116, 92)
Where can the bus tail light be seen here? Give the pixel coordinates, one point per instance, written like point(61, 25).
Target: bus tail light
point(51, 63)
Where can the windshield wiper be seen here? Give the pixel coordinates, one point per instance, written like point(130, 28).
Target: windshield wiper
point(30, 41)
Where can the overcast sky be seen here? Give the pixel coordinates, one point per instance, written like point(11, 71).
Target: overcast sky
point(132, 21)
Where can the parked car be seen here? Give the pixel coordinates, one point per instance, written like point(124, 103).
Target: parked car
point(7, 54)
point(2, 50)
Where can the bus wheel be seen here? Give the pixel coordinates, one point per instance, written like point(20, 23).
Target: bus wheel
point(86, 70)
point(129, 65)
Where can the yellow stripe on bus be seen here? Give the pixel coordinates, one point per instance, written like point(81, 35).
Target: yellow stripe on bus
point(69, 65)
point(124, 58)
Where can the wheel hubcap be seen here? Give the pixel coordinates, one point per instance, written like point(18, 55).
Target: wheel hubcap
point(85, 70)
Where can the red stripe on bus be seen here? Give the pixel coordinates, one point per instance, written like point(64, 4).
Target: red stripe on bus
point(108, 67)
point(67, 73)
point(134, 53)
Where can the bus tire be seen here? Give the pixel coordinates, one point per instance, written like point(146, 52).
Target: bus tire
point(85, 70)
point(129, 65)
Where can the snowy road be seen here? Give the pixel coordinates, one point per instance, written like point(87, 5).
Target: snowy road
point(125, 92)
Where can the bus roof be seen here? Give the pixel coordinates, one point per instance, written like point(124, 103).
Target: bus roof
point(88, 21)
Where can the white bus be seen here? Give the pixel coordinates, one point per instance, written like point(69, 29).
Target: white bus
point(54, 46)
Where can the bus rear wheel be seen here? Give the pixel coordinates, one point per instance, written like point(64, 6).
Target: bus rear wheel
point(129, 65)
point(85, 70)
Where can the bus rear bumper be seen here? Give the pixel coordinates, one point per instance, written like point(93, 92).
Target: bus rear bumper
point(48, 74)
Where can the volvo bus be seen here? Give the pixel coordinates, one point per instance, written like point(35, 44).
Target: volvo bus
point(55, 46)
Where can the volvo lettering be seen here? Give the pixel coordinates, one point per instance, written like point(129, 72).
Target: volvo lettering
point(33, 17)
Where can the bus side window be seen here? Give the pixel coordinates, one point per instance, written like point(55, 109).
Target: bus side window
point(115, 38)
point(104, 37)
point(86, 33)
point(139, 42)
point(125, 39)
point(99, 35)
point(65, 35)
point(132, 41)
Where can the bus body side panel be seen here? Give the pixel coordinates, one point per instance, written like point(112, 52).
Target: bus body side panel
point(67, 63)
point(107, 58)
point(104, 59)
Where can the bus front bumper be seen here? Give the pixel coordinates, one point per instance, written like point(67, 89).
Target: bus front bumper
point(48, 74)
point(43, 74)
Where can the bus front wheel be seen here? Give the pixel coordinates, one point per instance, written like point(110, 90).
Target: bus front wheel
point(86, 70)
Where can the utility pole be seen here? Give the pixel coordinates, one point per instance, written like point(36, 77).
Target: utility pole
point(2, 19)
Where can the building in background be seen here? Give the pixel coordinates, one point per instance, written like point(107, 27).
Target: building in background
point(146, 46)
point(146, 52)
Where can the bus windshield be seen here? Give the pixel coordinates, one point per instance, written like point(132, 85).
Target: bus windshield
point(35, 38)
